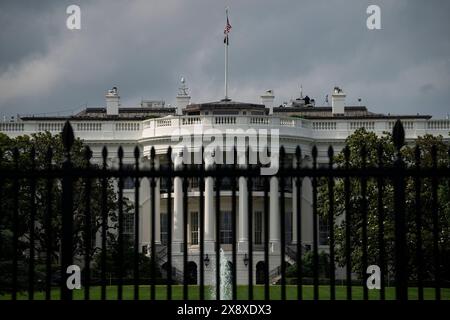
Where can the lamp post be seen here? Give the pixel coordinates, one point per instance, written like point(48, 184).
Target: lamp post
point(206, 260)
point(245, 260)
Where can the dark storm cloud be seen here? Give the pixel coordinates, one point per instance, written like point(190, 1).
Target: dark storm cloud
point(143, 47)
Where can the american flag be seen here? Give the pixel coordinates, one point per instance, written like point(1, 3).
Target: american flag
point(226, 31)
point(227, 27)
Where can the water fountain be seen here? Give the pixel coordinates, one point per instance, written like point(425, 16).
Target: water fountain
point(225, 279)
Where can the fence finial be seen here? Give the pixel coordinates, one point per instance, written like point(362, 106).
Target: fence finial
point(104, 153)
point(49, 155)
point(282, 156)
point(87, 153)
point(417, 155)
point(346, 154)
point(330, 153)
point(137, 152)
point(434, 153)
point(398, 135)
point(298, 155)
point(314, 152)
point(380, 151)
point(67, 136)
point(364, 154)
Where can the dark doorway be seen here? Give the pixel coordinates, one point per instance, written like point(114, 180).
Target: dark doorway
point(192, 272)
point(260, 266)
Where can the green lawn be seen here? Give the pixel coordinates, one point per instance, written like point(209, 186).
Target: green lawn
point(275, 292)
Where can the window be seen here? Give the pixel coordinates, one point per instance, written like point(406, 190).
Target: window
point(288, 227)
point(128, 183)
point(225, 227)
point(258, 227)
point(128, 223)
point(194, 228)
point(324, 231)
point(194, 183)
point(163, 228)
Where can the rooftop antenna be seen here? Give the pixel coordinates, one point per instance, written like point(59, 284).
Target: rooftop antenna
point(326, 100)
point(301, 91)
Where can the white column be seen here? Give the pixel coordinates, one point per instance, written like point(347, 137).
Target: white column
point(177, 206)
point(307, 207)
point(209, 209)
point(274, 213)
point(157, 207)
point(243, 214)
point(294, 205)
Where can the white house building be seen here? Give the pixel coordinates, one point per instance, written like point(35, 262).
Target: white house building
point(153, 124)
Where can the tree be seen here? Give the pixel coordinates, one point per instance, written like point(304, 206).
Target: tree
point(112, 262)
point(373, 143)
point(41, 143)
point(308, 266)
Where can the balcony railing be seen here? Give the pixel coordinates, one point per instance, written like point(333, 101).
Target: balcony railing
point(163, 127)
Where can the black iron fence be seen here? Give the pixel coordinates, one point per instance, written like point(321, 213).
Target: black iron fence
point(380, 210)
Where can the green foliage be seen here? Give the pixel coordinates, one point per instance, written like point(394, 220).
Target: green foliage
point(371, 141)
point(40, 199)
point(308, 266)
point(112, 261)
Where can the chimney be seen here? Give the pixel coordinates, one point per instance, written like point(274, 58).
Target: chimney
point(112, 102)
point(338, 101)
point(267, 99)
point(183, 99)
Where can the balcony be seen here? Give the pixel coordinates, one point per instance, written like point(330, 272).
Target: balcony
point(184, 125)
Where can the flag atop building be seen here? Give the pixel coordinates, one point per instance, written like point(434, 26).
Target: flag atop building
point(227, 31)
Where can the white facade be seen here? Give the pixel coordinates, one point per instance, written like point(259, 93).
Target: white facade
point(112, 131)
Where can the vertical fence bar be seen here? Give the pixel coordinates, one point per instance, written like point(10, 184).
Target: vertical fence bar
point(364, 220)
point(315, 227)
point(1, 211)
point(120, 222)
point(418, 216)
point(234, 225)
point(169, 224)
point(202, 225)
point(298, 190)
point(104, 225)
point(15, 222)
point(32, 225)
point(67, 211)
point(185, 235)
point(401, 277)
point(331, 222)
point(266, 238)
point(348, 224)
point(1, 191)
point(250, 227)
point(48, 225)
point(136, 223)
point(380, 212)
point(435, 213)
point(88, 227)
point(282, 224)
point(152, 225)
point(218, 216)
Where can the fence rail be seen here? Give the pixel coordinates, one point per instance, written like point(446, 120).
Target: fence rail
point(68, 229)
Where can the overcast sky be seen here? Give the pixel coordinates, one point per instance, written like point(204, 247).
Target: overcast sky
point(144, 47)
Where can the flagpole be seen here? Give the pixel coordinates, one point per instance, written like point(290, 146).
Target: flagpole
point(226, 72)
point(226, 61)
